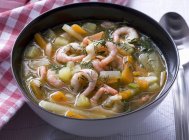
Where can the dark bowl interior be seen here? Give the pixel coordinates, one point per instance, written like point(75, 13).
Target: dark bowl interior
point(98, 11)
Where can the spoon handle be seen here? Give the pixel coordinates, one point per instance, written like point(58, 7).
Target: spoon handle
point(180, 107)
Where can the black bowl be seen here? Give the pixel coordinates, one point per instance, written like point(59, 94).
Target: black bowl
point(97, 11)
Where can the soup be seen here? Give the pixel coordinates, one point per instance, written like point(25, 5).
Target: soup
point(93, 69)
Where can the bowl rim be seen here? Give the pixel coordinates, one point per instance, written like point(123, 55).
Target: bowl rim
point(114, 6)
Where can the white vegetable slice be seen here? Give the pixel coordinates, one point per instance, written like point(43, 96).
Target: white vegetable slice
point(149, 79)
point(60, 109)
point(110, 74)
point(162, 78)
point(70, 31)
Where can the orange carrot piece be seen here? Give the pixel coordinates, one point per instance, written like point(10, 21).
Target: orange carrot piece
point(40, 40)
point(126, 94)
point(96, 36)
point(58, 96)
point(143, 84)
point(72, 114)
point(130, 59)
point(127, 74)
point(78, 29)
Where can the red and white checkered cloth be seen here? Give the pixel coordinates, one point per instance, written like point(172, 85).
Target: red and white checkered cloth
point(11, 23)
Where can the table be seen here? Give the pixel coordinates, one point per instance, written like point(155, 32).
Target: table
point(26, 125)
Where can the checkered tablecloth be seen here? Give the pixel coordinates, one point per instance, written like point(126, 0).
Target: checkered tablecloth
point(11, 23)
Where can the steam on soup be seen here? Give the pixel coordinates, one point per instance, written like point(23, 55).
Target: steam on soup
point(92, 69)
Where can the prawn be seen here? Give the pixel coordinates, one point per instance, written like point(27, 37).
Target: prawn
point(62, 57)
point(53, 79)
point(90, 75)
point(113, 52)
point(42, 73)
point(103, 90)
point(130, 33)
point(50, 76)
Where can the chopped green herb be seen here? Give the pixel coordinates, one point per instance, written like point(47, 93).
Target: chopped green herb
point(133, 85)
point(87, 65)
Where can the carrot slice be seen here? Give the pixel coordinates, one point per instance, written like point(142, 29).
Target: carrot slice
point(143, 84)
point(96, 36)
point(40, 40)
point(126, 94)
point(58, 96)
point(78, 29)
point(72, 114)
point(127, 74)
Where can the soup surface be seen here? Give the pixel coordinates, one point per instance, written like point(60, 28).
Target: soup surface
point(92, 69)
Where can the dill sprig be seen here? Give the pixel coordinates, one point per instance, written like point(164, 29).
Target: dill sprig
point(86, 65)
point(101, 42)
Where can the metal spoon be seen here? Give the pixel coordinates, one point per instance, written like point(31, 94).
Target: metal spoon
point(178, 29)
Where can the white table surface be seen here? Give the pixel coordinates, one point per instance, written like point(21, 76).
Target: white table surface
point(158, 126)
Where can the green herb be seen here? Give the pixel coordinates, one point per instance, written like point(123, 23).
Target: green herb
point(144, 42)
point(101, 42)
point(133, 85)
point(56, 67)
point(86, 65)
point(104, 80)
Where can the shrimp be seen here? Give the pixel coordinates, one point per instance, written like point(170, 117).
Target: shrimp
point(96, 65)
point(42, 72)
point(105, 89)
point(86, 41)
point(131, 33)
point(113, 52)
point(90, 75)
point(118, 63)
point(53, 79)
point(62, 57)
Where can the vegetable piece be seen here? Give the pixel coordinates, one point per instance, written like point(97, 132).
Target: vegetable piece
point(58, 96)
point(33, 52)
point(130, 59)
point(65, 74)
point(144, 60)
point(82, 101)
point(125, 48)
point(72, 114)
point(78, 29)
point(50, 35)
point(90, 27)
point(149, 79)
point(155, 62)
point(133, 85)
point(110, 76)
point(97, 36)
point(126, 94)
point(137, 73)
point(36, 88)
point(154, 87)
point(143, 84)
point(60, 109)
point(108, 103)
point(60, 41)
point(127, 74)
point(49, 50)
point(162, 78)
point(71, 32)
point(151, 62)
point(40, 40)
